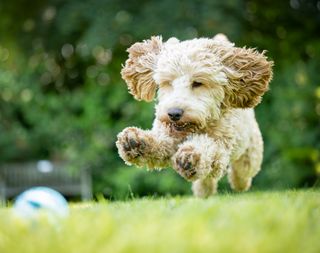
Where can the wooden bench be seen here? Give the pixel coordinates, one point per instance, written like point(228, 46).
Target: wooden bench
point(15, 178)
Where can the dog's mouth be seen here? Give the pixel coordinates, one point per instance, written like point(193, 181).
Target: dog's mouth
point(182, 127)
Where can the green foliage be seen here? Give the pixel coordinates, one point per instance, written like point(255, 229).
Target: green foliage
point(291, 127)
point(254, 222)
point(62, 97)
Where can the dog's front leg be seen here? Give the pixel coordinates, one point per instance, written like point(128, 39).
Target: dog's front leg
point(145, 148)
point(202, 160)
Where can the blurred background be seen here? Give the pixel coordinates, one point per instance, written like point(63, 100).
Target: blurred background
point(62, 100)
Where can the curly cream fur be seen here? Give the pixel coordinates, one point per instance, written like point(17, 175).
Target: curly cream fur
point(217, 133)
point(139, 67)
point(248, 73)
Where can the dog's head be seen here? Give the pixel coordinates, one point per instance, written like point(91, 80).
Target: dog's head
point(196, 78)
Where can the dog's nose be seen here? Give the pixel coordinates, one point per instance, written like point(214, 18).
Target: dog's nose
point(175, 113)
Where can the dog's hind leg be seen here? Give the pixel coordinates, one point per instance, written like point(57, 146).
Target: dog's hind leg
point(247, 166)
point(205, 187)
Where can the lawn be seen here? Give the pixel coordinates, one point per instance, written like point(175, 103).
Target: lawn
point(250, 222)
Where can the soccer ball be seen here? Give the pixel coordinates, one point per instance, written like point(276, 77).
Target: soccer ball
point(41, 202)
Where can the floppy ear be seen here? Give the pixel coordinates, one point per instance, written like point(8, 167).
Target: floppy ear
point(138, 69)
point(248, 72)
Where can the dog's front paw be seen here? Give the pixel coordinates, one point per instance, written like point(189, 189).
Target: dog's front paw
point(131, 144)
point(186, 162)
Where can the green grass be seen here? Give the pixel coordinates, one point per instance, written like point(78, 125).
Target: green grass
point(252, 222)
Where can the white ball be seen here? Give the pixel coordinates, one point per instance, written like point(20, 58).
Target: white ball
point(39, 201)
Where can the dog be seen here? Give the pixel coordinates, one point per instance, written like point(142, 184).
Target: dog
point(204, 127)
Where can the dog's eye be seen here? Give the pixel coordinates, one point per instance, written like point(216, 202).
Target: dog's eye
point(196, 84)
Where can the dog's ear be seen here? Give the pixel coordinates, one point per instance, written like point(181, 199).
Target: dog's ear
point(222, 39)
point(138, 69)
point(248, 73)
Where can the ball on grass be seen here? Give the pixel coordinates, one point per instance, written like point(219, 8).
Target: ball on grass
point(41, 202)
